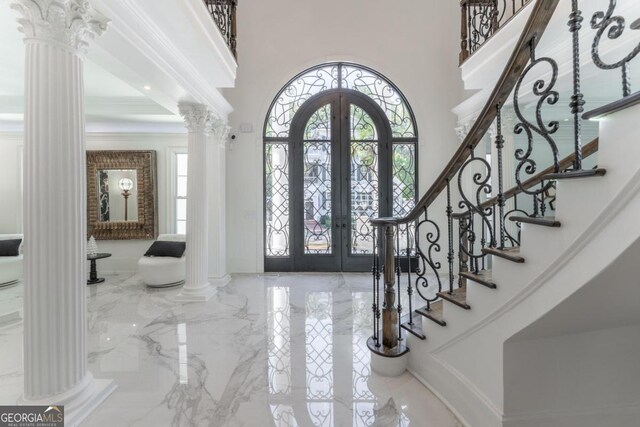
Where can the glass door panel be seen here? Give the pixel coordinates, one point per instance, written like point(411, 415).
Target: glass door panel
point(317, 183)
point(364, 188)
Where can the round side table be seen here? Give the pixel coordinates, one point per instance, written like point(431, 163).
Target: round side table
point(93, 274)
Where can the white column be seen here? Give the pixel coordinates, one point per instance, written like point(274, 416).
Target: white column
point(55, 353)
point(216, 160)
point(196, 286)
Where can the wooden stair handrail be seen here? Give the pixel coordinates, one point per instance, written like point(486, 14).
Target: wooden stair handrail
point(567, 162)
point(534, 28)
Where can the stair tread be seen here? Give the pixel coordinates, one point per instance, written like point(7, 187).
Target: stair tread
point(547, 221)
point(511, 254)
point(436, 313)
point(457, 297)
point(415, 329)
point(577, 174)
point(483, 277)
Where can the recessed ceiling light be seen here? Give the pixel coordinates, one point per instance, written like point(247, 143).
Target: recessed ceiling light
point(566, 120)
point(147, 87)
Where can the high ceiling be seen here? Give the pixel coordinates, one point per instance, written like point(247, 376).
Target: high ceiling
point(109, 100)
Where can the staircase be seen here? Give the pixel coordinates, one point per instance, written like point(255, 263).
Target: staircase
point(506, 283)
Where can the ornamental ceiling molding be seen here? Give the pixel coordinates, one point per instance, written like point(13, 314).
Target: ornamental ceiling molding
point(72, 23)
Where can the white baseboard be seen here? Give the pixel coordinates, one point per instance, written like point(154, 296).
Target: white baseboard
point(612, 415)
point(458, 393)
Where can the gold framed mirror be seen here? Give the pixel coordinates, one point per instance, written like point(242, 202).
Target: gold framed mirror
point(122, 195)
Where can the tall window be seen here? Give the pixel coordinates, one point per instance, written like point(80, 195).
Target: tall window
point(181, 193)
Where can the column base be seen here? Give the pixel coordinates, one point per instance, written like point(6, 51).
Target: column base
point(389, 366)
point(200, 293)
point(78, 402)
point(219, 282)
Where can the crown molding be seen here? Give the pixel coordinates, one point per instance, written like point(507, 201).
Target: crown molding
point(175, 49)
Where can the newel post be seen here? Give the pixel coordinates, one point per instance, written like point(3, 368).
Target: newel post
point(389, 310)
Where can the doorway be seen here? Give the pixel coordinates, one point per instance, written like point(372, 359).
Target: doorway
point(340, 149)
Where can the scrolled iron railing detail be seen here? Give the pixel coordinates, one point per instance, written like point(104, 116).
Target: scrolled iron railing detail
point(223, 13)
point(601, 21)
point(426, 256)
point(545, 92)
point(481, 182)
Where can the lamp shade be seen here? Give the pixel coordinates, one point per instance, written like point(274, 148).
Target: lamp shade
point(125, 184)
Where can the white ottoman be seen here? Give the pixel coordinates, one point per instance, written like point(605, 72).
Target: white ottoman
point(162, 272)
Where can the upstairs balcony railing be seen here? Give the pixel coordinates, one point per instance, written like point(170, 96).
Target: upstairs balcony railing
point(223, 13)
point(481, 19)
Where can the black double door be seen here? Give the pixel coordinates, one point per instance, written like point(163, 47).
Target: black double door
point(340, 178)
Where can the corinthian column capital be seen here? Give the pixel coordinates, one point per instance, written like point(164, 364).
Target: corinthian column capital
point(72, 23)
point(197, 117)
point(220, 130)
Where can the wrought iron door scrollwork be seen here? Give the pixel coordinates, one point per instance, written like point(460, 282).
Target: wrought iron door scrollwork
point(426, 263)
point(542, 89)
point(601, 21)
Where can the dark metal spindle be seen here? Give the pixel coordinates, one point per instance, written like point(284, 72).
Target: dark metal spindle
point(409, 286)
point(543, 208)
point(398, 275)
point(577, 99)
point(501, 200)
point(374, 272)
point(450, 235)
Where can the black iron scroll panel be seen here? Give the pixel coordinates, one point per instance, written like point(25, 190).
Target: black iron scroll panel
point(614, 26)
point(546, 94)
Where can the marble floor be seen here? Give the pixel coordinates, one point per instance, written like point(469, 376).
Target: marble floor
point(266, 350)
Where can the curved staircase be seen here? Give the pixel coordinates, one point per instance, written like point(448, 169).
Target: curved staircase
point(513, 314)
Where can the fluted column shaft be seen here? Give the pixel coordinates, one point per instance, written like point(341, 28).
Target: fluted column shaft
point(217, 202)
point(55, 220)
point(197, 287)
point(55, 211)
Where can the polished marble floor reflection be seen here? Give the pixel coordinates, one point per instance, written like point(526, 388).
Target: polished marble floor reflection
point(267, 350)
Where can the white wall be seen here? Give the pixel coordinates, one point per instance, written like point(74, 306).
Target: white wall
point(413, 42)
point(125, 252)
point(586, 379)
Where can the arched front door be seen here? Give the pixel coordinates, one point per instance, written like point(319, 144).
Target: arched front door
point(340, 147)
point(340, 168)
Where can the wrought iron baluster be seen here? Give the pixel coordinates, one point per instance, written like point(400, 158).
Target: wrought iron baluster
point(483, 243)
point(543, 207)
point(398, 276)
point(409, 286)
point(374, 270)
point(450, 252)
point(463, 254)
point(499, 147)
point(577, 99)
